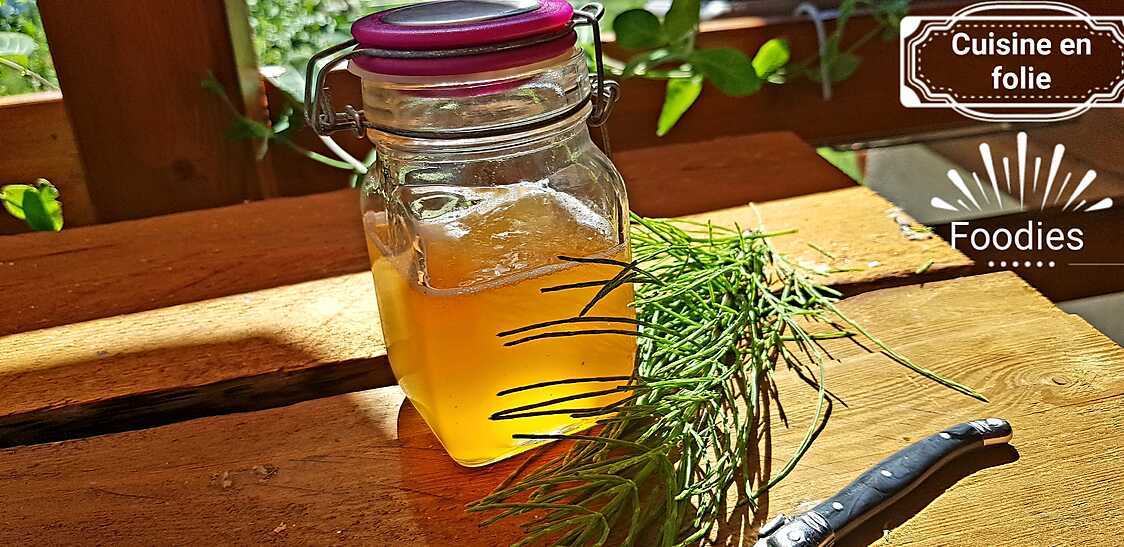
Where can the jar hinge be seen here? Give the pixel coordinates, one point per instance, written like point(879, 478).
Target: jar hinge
point(606, 92)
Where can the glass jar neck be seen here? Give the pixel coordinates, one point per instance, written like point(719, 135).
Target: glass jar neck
point(569, 131)
point(476, 104)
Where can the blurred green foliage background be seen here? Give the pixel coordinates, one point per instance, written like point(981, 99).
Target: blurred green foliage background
point(22, 17)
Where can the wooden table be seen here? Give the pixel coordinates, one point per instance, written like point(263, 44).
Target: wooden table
point(218, 377)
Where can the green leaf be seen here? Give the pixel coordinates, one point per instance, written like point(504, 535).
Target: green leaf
point(843, 15)
point(21, 60)
point(771, 57)
point(890, 13)
point(282, 123)
point(212, 84)
point(287, 79)
point(844, 66)
point(728, 69)
point(369, 159)
point(287, 116)
point(42, 210)
point(642, 62)
point(246, 128)
point(681, 94)
point(37, 205)
point(846, 161)
point(16, 46)
point(682, 19)
point(638, 29)
point(840, 67)
point(12, 195)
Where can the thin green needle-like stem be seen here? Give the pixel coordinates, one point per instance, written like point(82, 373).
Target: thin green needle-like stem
point(717, 309)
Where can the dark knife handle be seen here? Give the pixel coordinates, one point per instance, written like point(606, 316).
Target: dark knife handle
point(901, 472)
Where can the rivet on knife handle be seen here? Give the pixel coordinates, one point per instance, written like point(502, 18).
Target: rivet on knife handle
point(881, 485)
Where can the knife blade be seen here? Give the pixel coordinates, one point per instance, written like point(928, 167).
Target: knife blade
point(881, 485)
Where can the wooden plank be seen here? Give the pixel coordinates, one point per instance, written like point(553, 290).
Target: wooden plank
point(255, 350)
point(310, 339)
point(682, 179)
point(865, 106)
point(1052, 375)
point(859, 239)
point(671, 180)
point(279, 242)
point(107, 270)
point(151, 138)
point(37, 143)
point(797, 107)
point(362, 467)
point(149, 264)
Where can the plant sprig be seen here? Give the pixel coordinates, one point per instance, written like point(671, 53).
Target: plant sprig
point(36, 204)
point(720, 309)
point(287, 120)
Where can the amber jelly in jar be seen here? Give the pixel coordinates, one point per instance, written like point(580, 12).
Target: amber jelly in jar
point(488, 210)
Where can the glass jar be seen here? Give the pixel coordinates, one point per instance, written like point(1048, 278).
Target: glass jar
point(492, 222)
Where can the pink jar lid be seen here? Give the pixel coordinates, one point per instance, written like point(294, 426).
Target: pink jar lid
point(458, 24)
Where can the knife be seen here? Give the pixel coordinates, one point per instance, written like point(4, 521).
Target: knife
point(880, 486)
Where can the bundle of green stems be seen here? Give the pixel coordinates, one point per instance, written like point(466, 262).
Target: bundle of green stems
point(718, 310)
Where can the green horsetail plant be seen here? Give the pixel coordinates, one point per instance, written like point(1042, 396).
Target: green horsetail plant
point(718, 309)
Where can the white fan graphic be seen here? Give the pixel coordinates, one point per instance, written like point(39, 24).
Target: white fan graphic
point(984, 198)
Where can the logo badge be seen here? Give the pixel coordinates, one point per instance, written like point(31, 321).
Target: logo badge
point(1013, 61)
point(1026, 183)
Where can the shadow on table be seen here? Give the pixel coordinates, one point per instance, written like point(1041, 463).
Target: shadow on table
point(932, 487)
point(429, 466)
point(159, 386)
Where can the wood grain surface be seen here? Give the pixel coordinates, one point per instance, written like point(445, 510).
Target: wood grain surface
point(173, 259)
point(37, 143)
point(284, 344)
point(865, 106)
point(858, 240)
point(362, 468)
point(152, 139)
point(245, 352)
point(124, 267)
point(681, 179)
